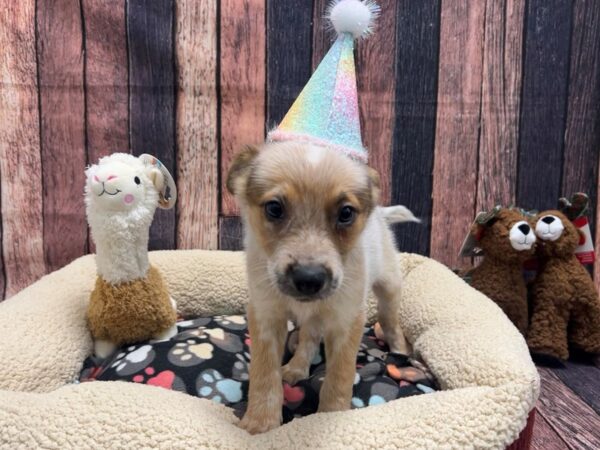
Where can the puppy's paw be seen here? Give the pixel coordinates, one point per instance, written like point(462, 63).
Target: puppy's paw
point(292, 374)
point(259, 423)
point(333, 404)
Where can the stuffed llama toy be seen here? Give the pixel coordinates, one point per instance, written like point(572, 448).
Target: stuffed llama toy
point(130, 301)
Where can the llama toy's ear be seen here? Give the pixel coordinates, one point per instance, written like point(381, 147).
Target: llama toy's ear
point(162, 180)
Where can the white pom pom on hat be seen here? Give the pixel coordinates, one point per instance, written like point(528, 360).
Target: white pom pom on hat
point(353, 16)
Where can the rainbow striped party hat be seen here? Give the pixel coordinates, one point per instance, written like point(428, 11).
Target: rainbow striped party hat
point(326, 111)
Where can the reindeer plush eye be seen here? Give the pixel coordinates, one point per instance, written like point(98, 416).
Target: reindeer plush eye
point(136, 180)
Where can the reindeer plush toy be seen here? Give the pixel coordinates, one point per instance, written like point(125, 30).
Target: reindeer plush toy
point(566, 307)
point(507, 240)
point(130, 302)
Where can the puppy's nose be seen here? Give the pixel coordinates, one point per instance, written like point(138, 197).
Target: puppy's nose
point(524, 228)
point(308, 280)
point(548, 219)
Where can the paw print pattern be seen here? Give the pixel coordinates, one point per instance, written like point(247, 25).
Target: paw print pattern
point(165, 379)
point(235, 323)
point(369, 371)
point(190, 353)
point(227, 342)
point(133, 360)
point(194, 323)
point(384, 390)
point(240, 368)
point(212, 385)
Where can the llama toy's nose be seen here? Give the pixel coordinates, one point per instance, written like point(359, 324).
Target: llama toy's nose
point(110, 177)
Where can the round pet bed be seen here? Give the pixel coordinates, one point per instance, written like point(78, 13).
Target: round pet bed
point(479, 359)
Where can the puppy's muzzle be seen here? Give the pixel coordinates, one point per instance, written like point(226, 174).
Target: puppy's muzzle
point(308, 282)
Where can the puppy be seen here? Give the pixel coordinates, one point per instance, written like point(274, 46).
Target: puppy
point(316, 243)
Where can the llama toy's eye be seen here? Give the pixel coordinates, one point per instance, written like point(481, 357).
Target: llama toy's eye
point(137, 180)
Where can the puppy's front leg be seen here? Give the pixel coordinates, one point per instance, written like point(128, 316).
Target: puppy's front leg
point(265, 394)
point(309, 338)
point(341, 348)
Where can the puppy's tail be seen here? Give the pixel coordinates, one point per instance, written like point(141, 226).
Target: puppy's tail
point(398, 214)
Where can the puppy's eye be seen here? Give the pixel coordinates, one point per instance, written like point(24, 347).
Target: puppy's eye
point(274, 210)
point(136, 180)
point(346, 216)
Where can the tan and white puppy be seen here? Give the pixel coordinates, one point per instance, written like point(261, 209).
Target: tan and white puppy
point(316, 243)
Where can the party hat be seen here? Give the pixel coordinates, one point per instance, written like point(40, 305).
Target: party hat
point(326, 111)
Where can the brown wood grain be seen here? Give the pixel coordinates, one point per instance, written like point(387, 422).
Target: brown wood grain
point(544, 437)
point(500, 103)
point(243, 59)
point(375, 76)
point(60, 58)
point(567, 414)
point(457, 131)
point(106, 78)
point(196, 124)
point(20, 162)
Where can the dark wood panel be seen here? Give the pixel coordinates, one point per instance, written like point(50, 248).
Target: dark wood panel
point(544, 437)
point(582, 135)
point(417, 48)
point(457, 127)
point(62, 110)
point(500, 103)
point(243, 53)
point(106, 78)
point(21, 170)
point(289, 41)
point(567, 414)
point(196, 124)
point(583, 377)
point(152, 96)
point(375, 76)
point(543, 103)
point(230, 233)
point(322, 35)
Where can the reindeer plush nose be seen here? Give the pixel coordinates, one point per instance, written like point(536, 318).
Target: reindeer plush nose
point(524, 228)
point(548, 219)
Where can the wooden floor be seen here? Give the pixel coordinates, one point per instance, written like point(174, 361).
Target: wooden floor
point(568, 411)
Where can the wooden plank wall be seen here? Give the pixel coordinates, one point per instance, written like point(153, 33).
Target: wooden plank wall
point(464, 104)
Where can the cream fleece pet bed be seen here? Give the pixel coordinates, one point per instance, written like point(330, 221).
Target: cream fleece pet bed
point(480, 360)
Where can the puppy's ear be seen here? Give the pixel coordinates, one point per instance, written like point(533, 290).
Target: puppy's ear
point(374, 184)
point(240, 168)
